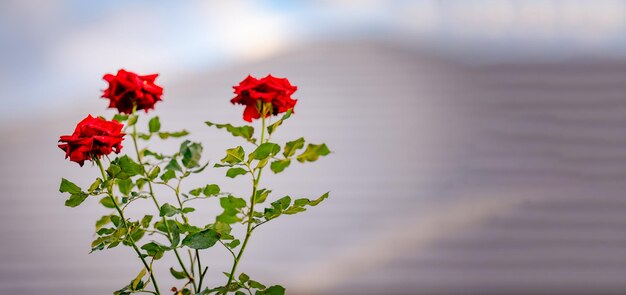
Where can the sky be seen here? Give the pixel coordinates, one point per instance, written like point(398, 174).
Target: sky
point(54, 50)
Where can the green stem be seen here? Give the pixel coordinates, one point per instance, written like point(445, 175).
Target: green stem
point(156, 203)
point(255, 184)
point(132, 242)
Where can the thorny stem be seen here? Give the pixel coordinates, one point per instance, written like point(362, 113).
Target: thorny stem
point(130, 238)
point(255, 184)
point(156, 203)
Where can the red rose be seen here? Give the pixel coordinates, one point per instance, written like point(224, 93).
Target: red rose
point(127, 89)
point(92, 137)
point(252, 92)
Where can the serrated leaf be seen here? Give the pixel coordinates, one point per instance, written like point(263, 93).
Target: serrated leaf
point(236, 171)
point(272, 128)
point(69, 187)
point(191, 152)
point(196, 192)
point(129, 166)
point(234, 156)
point(264, 151)
point(201, 240)
point(232, 202)
point(275, 290)
point(177, 134)
point(244, 131)
point(125, 185)
point(292, 146)
point(95, 185)
point(154, 125)
point(211, 190)
point(154, 249)
point(256, 285)
point(261, 195)
point(313, 152)
point(169, 174)
point(173, 165)
point(280, 165)
point(104, 220)
point(168, 210)
point(107, 202)
point(76, 199)
point(145, 221)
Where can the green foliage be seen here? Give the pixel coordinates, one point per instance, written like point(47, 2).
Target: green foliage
point(280, 165)
point(245, 132)
point(201, 240)
point(313, 152)
point(77, 196)
point(191, 152)
point(234, 156)
point(272, 128)
point(264, 151)
point(168, 210)
point(154, 125)
point(236, 171)
point(292, 146)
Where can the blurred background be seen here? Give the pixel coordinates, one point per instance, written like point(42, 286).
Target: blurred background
point(479, 147)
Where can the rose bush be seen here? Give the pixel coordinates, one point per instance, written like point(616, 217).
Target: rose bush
point(128, 178)
point(128, 90)
point(253, 92)
point(93, 137)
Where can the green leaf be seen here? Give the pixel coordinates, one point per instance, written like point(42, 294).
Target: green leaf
point(169, 174)
point(256, 285)
point(173, 165)
point(272, 128)
point(211, 190)
point(234, 172)
point(234, 155)
point(201, 240)
point(76, 199)
point(234, 244)
point(292, 146)
point(196, 192)
point(177, 134)
point(120, 117)
point(153, 154)
point(129, 166)
point(282, 203)
point(154, 173)
point(231, 202)
point(319, 200)
point(154, 249)
point(244, 131)
point(154, 125)
point(132, 120)
point(280, 165)
point(179, 275)
point(188, 210)
point(264, 151)
point(145, 221)
point(107, 202)
point(137, 280)
point(243, 278)
point(168, 210)
point(104, 220)
point(95, 185)
point(125, 186)
point(312, 152)
point(261, 195)
point(69, 187)
point(191, 152)
point(275, 290)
